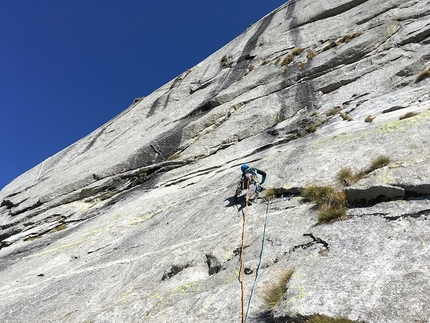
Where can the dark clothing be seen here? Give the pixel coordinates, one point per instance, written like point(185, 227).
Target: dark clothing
point(249, 180)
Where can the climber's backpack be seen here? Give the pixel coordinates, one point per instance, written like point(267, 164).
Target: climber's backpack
point(250, 177)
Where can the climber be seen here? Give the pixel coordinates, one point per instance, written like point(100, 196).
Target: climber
point(249, 176)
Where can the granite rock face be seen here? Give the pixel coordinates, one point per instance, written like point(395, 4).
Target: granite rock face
point(136, 222)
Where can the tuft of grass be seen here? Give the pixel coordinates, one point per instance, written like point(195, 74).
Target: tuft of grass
point(250, 67)
point(378, 162)
point(369, 119)
point(333, 111)
point(329, 46)
point(330, 214)
point(276, 62)
point(345, 117)
point(297, 51)
point(311, 54)
point(274, 293)
point(312, 128)
point(409, 115)
point(316, 194)
point(302, 65)
point(331, 203)
point(346, 177)
point(287, 59)
point(423, 75)
point(327, 319)
point(60, 227)
point(269, 193)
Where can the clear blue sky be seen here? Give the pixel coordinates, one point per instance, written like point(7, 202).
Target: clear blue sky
point(69, 66)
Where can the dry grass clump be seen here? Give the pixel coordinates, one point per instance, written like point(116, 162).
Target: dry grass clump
point(345, 39)
point(347, 177)
point(409, 115)
point(333, 111)
point(311, 54)
point(337, 110)
point(274, 293)
point(345, 117)
point(297, 51)
point(327, 319)
point(369, 119)
point(290, 56)
point(287, 59)
point(331, 203)
point(378, 162)
point(423, 75)
point(329, 46)
point(331, 214)
point(59, 227)
point(269, 193)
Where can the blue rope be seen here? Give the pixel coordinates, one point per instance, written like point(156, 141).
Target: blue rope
point(261, 259)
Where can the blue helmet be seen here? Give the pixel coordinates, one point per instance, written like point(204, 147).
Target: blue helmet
point(244, 168)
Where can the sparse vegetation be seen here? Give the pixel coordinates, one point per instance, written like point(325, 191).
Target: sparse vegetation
point(333, 111)
point(297, 51)
point(346, 177)
point(345, 39)
point(275, 292)
point(329, 46)
point(329, 214)
point(337, 110)
point(224, 62)
point(312, 128)
point(378, 162)
point(60, 227)
point(331, 203)
point(174, 156)
point(311, 54)
point(369, 119)
point(345, 117)
point(276, 62)
point(409, 115)
point(287, 59)
point(423, 75)
point(327, 319)
point(269, 193)
point(302, 65)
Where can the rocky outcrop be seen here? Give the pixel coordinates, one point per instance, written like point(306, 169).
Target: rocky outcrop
point(136, 222)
